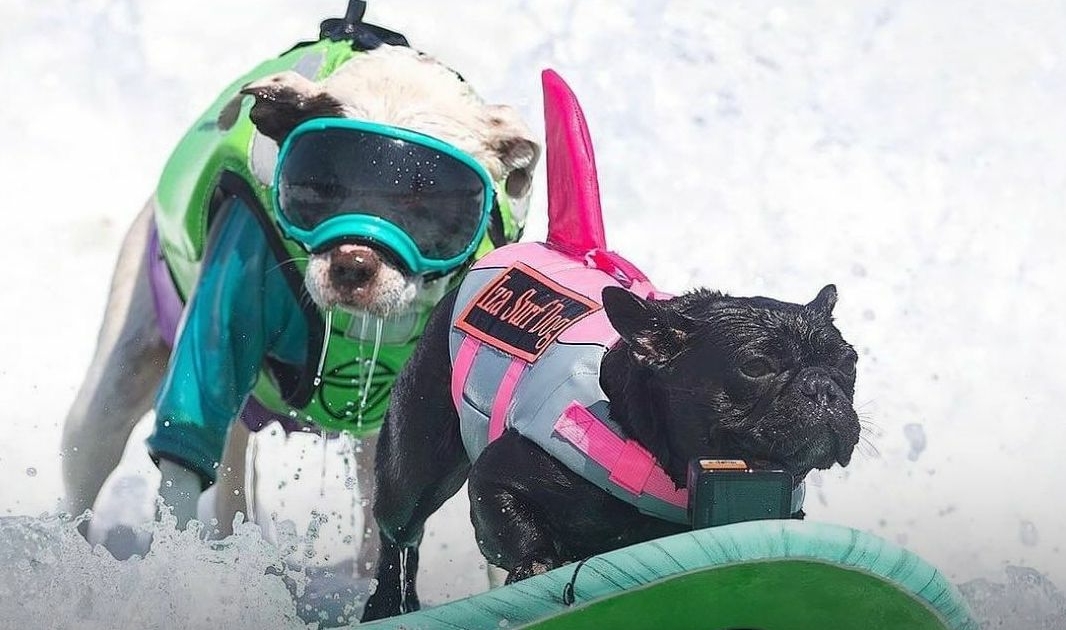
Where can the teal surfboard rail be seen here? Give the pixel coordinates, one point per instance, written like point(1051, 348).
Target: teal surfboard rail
point(764, 575)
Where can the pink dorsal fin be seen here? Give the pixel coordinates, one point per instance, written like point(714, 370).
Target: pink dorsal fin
point(575, 218)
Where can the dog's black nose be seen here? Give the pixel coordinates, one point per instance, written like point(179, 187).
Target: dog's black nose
point(816, 384)
point(353, 264)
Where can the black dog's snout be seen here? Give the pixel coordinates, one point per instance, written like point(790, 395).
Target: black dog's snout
point(816, 384)
point(353, 264)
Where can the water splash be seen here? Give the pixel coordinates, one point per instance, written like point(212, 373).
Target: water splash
point(1027, 601)
point(50, 576)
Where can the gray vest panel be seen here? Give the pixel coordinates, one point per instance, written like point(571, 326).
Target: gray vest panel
point(565, 373)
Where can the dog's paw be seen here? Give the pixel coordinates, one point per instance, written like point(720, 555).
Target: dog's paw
point(530, 568)
point(382, 603)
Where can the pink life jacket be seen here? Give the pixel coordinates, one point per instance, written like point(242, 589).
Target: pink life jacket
point(527, 339)
point(529, 332)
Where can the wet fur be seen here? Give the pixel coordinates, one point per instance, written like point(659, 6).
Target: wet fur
point(702, 374)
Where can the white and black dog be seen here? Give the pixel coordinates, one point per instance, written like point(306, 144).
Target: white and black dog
point(392, 85)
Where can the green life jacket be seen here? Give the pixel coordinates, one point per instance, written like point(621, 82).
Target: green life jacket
point(218, 159)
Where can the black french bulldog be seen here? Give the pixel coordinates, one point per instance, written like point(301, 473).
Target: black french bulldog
point(701, 374)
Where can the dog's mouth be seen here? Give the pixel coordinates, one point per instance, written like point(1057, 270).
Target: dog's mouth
point(798, 455)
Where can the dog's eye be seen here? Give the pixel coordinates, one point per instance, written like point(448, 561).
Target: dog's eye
point(756, 368)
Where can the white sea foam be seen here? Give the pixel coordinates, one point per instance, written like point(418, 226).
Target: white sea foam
point(51, 577)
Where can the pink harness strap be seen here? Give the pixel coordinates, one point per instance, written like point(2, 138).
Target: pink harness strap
point(629, 464)
point(464, 359)
point(503, 397)
point(623, 271)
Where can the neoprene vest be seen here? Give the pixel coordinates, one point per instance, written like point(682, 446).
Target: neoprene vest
point(526, 343)
point(221, 157)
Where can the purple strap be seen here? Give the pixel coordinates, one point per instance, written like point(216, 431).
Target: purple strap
point(168, 304)
point(256, 417)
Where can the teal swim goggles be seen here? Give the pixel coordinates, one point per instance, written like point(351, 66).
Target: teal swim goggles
point(339, 179)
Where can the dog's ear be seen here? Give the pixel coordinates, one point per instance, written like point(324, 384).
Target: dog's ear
point(824, 302)
point(655, 335)
point(286, 99)
point(513, 144)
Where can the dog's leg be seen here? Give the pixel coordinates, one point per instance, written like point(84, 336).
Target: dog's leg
point(420, 464)
point(364, 475)
point(231, 492)
point(511, 532)
point(123, 377)
point(416, 471)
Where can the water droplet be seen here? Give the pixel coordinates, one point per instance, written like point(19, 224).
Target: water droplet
point(166, 423)
point(915, 435)
point(31, 472)
point(1028, 534)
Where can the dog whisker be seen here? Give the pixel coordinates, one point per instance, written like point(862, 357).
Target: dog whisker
point(862, 406)
point(865, 421)
point(871, 428)
point(289, 260)
point(867, 447)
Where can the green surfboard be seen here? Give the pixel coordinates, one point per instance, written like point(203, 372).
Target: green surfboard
point(763, 575)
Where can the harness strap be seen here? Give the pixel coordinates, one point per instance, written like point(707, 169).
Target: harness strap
point(503, 397)
point(630, 465)
point(464, 360)
point(165, 298)
point(612, 264)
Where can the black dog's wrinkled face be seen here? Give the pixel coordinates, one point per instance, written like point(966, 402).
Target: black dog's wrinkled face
point(743, 378)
